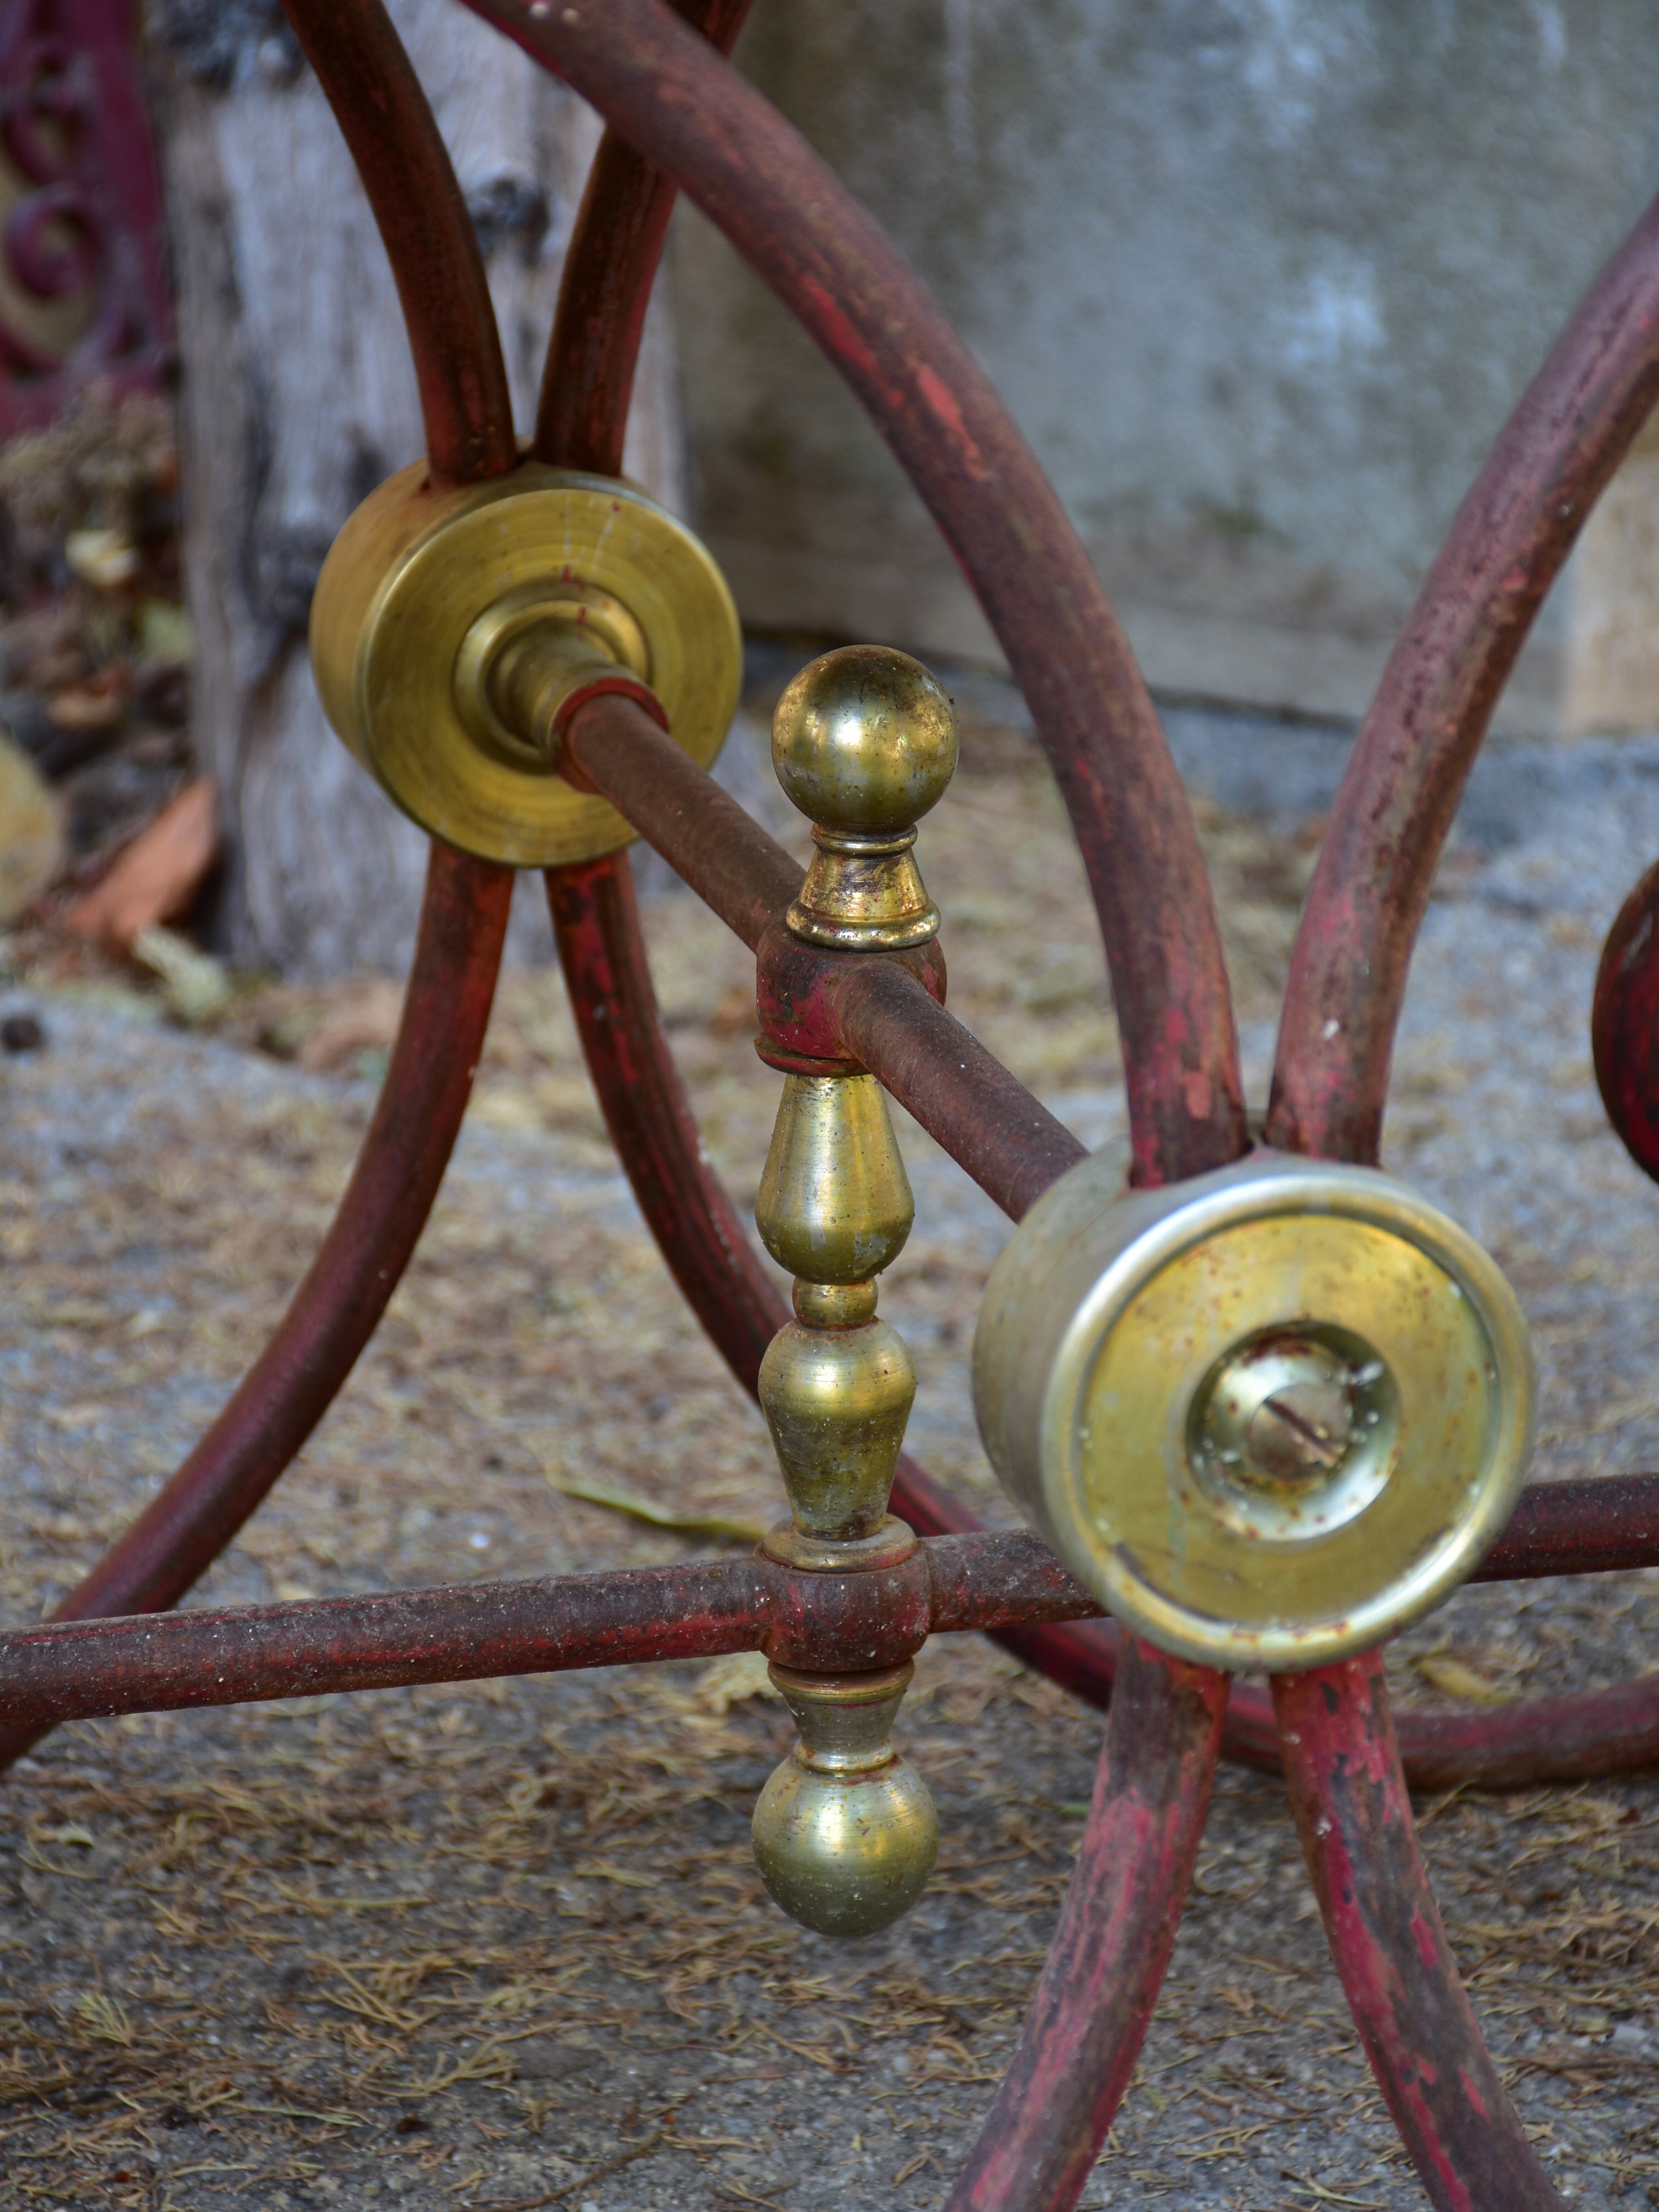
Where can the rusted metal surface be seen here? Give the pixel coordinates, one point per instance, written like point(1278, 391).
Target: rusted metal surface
point(1537, 1740)
point(962, 1095)
point(1565, 1528)
point(1624, 1024)
point(697, 1609)
point(609, 267)
point(881, 1011)
point(709, 1251)
point(346, 1289)
point(744, 876)
point(83, 243)
point(53, 1674)
point(1577, 1738)
point(1117, 1927)
point(797, 991)
point(1577, 1528)
point(663, 87)
point(1414, 753)
point(1419, 2029)
point(429, 240)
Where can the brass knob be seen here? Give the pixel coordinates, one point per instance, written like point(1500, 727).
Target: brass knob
point(837, 1384)
point(1268, 1416)
point(864, 742)
point(845, 1832)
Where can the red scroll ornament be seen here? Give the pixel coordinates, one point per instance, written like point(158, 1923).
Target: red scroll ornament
point(83, 293)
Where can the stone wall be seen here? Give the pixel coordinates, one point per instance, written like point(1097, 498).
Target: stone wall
point(1260, 278)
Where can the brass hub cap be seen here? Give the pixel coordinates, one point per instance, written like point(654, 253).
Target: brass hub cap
point(1267, 1416)
point(430, 590)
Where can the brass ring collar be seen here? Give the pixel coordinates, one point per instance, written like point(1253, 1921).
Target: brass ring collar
point(893, 1542)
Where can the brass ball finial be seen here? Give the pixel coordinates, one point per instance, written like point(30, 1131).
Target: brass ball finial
point(845, 1832)
point(864, 741)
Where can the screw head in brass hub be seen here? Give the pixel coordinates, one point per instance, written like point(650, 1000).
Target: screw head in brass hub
point(1267, 1416)
point(428, 590)
point(1293, 1430)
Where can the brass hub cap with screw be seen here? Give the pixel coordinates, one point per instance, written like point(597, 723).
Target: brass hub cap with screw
point(1267, 1416)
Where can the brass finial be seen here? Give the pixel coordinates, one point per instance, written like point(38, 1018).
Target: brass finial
point(845, 1831)
point(837, 1384)
point(864, 742)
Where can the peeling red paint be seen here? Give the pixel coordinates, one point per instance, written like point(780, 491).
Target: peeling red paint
point(1348, 1789)
point(429, 240)
point(1110, 1950)
point(944, 404)
point(835, 330)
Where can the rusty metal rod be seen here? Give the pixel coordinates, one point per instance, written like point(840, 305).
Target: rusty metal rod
point(604, 288)
point(1577, 1528)
point(990, 1583)
point(962, 1095)
point(611, 745)
point(336, 1308)
point(69, 1670)
point(790, 217)
point(1117, 1927)
point(709, 1251)
point(1410, 761)
point(387, 124)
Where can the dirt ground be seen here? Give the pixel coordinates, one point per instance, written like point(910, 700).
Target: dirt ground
point(503, 1946)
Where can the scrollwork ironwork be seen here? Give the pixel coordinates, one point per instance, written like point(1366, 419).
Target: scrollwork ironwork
point(83, 287)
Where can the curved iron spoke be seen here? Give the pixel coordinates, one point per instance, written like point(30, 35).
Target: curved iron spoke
point(1415, 2019)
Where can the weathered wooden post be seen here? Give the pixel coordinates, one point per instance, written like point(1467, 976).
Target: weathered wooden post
point(297, 397)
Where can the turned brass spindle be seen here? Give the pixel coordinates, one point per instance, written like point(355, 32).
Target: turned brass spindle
point(865, 742)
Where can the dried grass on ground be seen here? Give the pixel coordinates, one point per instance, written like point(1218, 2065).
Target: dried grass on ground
point(503, 1946)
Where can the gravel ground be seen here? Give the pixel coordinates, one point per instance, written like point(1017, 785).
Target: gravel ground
point(503, 1946)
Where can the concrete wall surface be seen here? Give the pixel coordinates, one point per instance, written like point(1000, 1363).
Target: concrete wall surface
point(1261, 279)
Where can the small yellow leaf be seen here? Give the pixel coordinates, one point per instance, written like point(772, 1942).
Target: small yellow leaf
point(1458, 1681)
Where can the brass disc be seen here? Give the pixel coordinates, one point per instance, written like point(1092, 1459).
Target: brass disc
point(409, 589)
point(1267, 1416)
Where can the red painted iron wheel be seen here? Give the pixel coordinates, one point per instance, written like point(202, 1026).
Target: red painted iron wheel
point(680, 118)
